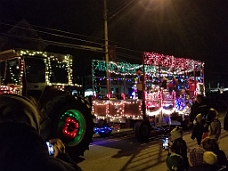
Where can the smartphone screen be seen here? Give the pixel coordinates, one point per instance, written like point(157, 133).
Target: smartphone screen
point(50, 148)
point(165, 143)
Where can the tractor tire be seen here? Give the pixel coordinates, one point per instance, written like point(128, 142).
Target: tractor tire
point(142, 130)
point(72, 122)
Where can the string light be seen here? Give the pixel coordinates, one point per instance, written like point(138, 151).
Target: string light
point(121, 67)
point(10, 89)
point(158, 100)
point(60, 62)
point(116, 109)
point(175, 65)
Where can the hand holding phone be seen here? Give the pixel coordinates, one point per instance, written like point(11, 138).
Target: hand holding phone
point(58, 146)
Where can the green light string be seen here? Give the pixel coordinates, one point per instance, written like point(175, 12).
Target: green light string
point(94, 77)
point(121, 67)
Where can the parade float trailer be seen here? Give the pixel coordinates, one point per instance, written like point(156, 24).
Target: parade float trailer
point(170, 84)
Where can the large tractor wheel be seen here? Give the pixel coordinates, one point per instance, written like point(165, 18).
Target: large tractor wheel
point(142, 130)
point(72, 122)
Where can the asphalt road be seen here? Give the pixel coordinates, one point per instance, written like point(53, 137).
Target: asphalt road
point(125, 153)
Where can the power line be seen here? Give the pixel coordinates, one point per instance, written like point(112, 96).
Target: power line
point(56, 35)
point(120, 9)
point(58, 30)
point(128, 56)
point(129, 50)
point(68, 45)
point(74, 34)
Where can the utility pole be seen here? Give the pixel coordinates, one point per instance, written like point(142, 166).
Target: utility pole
point(106, 47)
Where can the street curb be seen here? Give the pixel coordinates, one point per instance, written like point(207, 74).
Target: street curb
point(116, 133)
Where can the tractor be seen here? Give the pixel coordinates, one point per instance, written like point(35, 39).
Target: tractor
point(47, 78)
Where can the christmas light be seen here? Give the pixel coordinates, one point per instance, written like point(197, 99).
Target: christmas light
point(15, 70)
point(175, 65)
point(10, 89)
point(175, 72)
point(63, 62)
point(180, 103)
point(117, 109)
point(121, 67)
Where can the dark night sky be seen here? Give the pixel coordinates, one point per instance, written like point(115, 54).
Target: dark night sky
point(196, 29)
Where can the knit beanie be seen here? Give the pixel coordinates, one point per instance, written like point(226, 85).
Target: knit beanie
point(196, 156)
point(210, 158)
point(199, 116)
point(175, 162)
point(176, 133)
point(15, 108)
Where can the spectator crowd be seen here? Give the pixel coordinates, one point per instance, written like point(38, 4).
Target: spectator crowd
point(206, 130)
point(22, 146)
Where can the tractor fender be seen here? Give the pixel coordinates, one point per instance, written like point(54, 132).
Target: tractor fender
point(50, 94)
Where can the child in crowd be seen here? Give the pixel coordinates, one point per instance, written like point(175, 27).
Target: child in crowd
point(175, 162)
point(215, 126)
point(210, 144)
point(198, 129)
point(176, 133)
point(202, 160)
point(179, 145)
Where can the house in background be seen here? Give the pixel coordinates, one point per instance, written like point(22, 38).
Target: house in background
point(23, 36)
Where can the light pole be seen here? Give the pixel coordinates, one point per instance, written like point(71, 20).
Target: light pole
point(106, 47)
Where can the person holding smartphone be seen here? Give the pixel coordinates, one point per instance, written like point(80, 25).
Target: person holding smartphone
point(21, 146)
point(179, 145)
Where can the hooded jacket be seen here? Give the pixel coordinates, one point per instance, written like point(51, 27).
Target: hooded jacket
point(21, 146)
point(215, 129)
point(22, 149)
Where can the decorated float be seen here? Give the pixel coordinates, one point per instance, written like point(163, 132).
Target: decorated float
point(170, 86)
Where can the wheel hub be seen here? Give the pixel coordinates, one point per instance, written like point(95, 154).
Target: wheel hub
point(71, 127)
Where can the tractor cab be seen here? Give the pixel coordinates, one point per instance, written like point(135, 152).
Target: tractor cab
point(35, 73)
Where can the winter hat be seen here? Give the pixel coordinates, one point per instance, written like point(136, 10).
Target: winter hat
point(15, 108)
point(199, 116)
point(212, 114)
point(175, 162)
point(215, 111)
point(176, 133)
point(196, 156)
point(209, 157)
